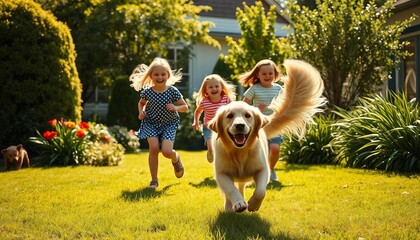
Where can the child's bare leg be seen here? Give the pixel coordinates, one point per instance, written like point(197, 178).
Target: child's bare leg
point(273, 159)
point(153, 157)
point(274, 155)
point(169, 152)
point(209, 150)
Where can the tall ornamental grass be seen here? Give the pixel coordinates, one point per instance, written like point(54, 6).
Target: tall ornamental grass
point(315, 147)
point(380, 133)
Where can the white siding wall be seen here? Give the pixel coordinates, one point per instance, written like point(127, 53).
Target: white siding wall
point(203, 62)
point(205, 57)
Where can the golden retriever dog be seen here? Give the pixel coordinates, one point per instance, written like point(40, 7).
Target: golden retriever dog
point(241, 131)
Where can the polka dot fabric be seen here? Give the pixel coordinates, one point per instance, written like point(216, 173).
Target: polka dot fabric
point(159, 121)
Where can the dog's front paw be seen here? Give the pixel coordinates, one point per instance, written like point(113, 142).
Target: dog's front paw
point(254, 204)
point(239, 206)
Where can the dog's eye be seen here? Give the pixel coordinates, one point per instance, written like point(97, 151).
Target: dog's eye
point(247, 115)
point(230, 115)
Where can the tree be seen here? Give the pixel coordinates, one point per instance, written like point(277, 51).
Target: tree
point(38, 73)
point(258, 40)
point(350, 43)
point(113, 36)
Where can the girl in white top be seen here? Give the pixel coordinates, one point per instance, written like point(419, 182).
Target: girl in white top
point(262, 79)
point(214, 92)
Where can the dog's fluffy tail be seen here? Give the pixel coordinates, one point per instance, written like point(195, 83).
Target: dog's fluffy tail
point(300, 99)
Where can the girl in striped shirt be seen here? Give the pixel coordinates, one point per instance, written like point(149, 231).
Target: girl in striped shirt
point(214, 92)
point(263, 88)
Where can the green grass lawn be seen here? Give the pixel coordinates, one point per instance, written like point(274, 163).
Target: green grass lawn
point(310, 202)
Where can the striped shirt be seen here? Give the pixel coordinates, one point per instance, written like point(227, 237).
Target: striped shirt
point(210, 108)
point(258, 94)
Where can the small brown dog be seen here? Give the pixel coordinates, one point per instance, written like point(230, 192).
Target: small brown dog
point(15, 155)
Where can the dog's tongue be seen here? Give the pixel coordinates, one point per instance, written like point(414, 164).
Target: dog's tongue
point(240, 138)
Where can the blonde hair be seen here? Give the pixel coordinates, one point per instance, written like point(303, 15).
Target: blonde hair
point(228, 88)
point(250, 78)
point(141, 75)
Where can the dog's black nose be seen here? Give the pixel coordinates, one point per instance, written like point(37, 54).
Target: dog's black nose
point(240, 127)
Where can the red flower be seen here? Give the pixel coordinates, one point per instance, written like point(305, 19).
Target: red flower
point(84, 125)
point(105, 138)
point(80, 133)
point(53, 122)
point(50, 134)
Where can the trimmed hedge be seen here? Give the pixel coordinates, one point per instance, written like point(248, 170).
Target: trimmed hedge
point(38, 74)
point(122, 108)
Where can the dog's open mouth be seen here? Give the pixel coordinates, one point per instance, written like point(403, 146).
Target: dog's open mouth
point(239, 139)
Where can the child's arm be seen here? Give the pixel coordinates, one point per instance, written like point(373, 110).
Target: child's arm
point(140, 105)
point(197, 113)
point(179, 106)
point(262, 106)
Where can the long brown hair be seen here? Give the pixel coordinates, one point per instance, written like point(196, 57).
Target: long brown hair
point(250, 78)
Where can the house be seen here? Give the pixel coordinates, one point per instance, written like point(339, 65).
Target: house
point(223, 16)
point(204, 57)
point(407, 77)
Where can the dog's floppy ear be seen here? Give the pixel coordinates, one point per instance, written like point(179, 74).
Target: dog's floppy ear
point(19, 147)
point(264, 120)
point(260, 120)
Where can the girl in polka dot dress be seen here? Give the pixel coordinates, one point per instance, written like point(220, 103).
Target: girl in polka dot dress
point(158, 107)
point(214, 92)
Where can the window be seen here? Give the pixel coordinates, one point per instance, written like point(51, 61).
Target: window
point(178, 58)
point(410, 70)
point(101, 95)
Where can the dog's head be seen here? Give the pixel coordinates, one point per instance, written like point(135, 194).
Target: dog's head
point(237, 123)
point(12, 153)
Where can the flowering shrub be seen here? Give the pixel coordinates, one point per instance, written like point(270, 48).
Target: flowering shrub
point(103, 149)
point(125, 137)
point(69, 143)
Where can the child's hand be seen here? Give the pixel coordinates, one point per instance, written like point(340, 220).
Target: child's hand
point(195, 126)
point(171, 107)
point(142, 115)
point(262, 106)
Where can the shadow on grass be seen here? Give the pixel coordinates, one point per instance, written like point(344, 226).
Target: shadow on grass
point(210, 182)
point(242, 226)
point(144, 193)
point(207, 182)
point(274, 185)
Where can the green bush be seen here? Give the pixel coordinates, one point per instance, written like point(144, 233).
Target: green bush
point(122, 108)
point(68, 143)
point(224, 71)
point(38, 73)
point(125, 137)
point(381, 134)
point(186, 137)
point(315, 148)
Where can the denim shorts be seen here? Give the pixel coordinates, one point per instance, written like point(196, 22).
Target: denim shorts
point(276, 140)
point(206, 134)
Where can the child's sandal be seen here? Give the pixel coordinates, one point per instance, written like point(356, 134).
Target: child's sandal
point(154, 184)
point(178, 168)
